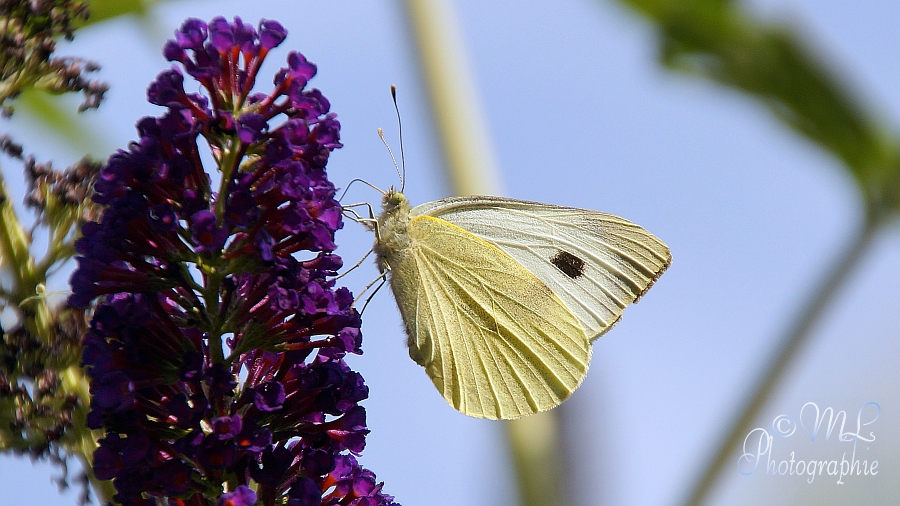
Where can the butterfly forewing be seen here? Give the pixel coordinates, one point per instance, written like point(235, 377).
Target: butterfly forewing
point(495, 339)
point(596, 263)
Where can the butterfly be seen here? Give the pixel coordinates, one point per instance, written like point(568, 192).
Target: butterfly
point(501, 298)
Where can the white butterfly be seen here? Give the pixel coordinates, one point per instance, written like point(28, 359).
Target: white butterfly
point(502, 298)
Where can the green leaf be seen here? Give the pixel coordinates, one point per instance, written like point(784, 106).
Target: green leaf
point(102, 10)
point(716, 40)
point(52, 113)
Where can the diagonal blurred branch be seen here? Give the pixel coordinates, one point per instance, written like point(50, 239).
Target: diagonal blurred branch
point(795, 341)
point(715, 40)
point(59, 123)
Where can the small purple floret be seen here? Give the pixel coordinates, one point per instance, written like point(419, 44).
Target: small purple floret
point(242, 496)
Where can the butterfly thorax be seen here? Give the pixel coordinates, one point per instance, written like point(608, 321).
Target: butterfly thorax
point(391, 236)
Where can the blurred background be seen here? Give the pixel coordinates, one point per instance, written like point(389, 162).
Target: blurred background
point(579, 112)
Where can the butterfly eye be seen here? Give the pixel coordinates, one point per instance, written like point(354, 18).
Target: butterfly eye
point(394, 198)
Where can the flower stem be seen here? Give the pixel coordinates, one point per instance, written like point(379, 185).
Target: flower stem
point(533, 440)
point(461, 125)
point(14, 255)
point(535, 447)
point(82, 441)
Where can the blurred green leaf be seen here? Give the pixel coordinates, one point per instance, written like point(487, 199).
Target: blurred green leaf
point(715, 39)
point(54, 115)
point(102, 10)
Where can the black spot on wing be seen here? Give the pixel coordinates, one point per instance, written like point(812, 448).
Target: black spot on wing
point(570, 264)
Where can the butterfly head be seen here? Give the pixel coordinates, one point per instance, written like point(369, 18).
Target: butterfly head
point(392, 201)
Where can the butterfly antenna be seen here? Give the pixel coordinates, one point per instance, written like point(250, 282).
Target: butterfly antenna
point(381, 136)
point(363, 181)
point(400, 133)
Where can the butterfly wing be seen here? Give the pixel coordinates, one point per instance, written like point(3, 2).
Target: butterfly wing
point(495, 340)
point(597, 263)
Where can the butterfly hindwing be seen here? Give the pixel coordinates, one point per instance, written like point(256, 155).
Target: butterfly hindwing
point(496, 341)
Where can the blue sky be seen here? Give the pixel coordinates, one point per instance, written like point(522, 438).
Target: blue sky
point(580, 114)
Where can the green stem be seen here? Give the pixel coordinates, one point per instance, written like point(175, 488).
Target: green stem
point(535, 448)
point(533, 440)
point(460, 122)
point(15, 258)
point(227, 165)
point(81, 441)
point(793, 342)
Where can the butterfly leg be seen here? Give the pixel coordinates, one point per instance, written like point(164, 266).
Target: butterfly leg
point(380, 280)
point(357, 264)
point(371, 223)
point(350, 213)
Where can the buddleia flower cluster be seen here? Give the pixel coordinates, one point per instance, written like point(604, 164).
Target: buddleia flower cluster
point(216, 349)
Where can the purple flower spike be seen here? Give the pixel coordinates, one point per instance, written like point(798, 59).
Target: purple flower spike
point(113, 391)
point(269, 396)
point(174, 477)
point(227, 427)
point(216, 349)
point(300, 69)
point(168, 90)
